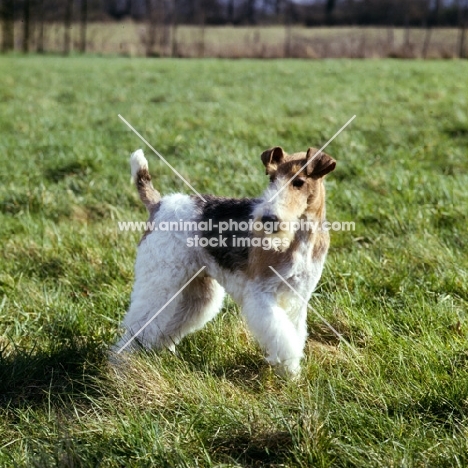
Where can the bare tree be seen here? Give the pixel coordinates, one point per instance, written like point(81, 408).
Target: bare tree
point(175, 18)
point(163, 26)
point(230, 11)
point(156, 32)
point(67, 26)
point(329, 7)
point(428, 23)
point(407, 31)
point(84, 25)
point(278, 5)
point(250, 11)
point(26, 25)
point(288, 32)
point(8, 25)
point(200, 19)
point(151, 28)
point(40, 37)
point(462, 7)
point(436, 12)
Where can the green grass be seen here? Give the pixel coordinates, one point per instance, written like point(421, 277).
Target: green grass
point(397, 287)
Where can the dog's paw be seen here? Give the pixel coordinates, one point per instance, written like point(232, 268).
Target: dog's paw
point(289, 369)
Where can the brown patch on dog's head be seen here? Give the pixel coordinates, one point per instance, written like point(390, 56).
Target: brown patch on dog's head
point(296, 195)
point(305, 193)
point(272, 157)
point(319, 165)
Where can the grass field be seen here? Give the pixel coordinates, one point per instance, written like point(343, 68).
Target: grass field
point(396, 288)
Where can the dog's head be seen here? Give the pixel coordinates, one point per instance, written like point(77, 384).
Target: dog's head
point(296, 191)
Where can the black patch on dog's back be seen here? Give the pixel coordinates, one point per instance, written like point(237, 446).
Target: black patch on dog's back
point(217, 209)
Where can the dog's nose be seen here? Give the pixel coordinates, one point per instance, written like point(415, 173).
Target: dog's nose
point(269, 219)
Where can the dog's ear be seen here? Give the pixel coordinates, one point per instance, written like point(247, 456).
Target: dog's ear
point(321, 165)
point(272, 157)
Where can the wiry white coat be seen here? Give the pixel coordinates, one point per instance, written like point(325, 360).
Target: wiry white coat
point(164, 264)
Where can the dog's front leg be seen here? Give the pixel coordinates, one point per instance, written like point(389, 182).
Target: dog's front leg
point(274, 330)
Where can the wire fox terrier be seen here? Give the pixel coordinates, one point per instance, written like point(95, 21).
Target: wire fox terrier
point(248, 247)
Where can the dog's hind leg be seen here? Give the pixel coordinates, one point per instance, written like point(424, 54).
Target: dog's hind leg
point(200, 302)
point(152, 323)
point(154, 302)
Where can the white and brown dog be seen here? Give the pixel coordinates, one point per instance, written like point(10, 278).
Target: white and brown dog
point(248, 247)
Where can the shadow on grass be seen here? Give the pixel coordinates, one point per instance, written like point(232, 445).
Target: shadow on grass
point(243, 368)
point(67, 369)
point(262, 449)
point(75, 167)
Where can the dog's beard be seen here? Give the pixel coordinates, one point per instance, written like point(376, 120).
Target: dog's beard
point(278, 241)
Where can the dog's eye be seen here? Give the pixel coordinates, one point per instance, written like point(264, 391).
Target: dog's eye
point(298, 183)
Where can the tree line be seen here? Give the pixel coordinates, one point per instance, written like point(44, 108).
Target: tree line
point(29, 14)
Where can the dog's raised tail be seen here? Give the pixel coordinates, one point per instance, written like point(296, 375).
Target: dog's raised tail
point(142, 179)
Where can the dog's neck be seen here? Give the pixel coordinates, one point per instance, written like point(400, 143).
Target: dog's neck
point(316, 205)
